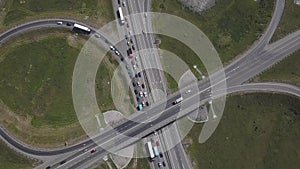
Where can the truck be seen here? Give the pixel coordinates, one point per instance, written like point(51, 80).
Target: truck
point(156, 153)
point(150, 150)
point(81, 29)
point(178, 100)
point(121, 15)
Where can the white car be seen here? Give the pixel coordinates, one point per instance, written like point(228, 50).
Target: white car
point(59, 23)
point(117, 52)
point(145, 94)
point(112, 48)
point(188, 91)
point(123, 3)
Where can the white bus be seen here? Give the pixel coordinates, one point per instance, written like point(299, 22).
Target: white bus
point(121, 15)
point(81, 28)
point(150, 149)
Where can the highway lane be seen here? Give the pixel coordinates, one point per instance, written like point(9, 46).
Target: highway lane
point(149, 59)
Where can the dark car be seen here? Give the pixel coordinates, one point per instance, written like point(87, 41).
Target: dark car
point(161, 155)
point(48, 167)
point(63, 162)
point(163, 163)
point(131, 41)
point(133, 47)
point(139, 74)
point(69, 24)
point(143, 86)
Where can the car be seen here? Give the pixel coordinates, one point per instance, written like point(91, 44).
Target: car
point(138, 83)
point(128, 43)
point(163, 163)
point(161, 155)
point(126, 36)
point(97, 36)
point(143, 86)
point(139, 74)
point(143, 103)
point(159, 164)
point(157, 144)
point(135, 92)
point(59, 23)
point(69, 24)
point(133, 47)
point(117, 53)
point(147, 103)
point(141, 94)
point(134, 66)
point(63, 162)
point(130, 33)
point(133, 84)
point(112, 48)
point(124, 4)
point(188, 91)
point(131, 41)
point(48, 167)
point(145, 94)
point(93, 150)
point(137, 99)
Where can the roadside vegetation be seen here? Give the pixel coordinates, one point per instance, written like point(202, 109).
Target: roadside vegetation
point(286, 71)
point(256, 131)
point(9, 159)
point(35, 88)
point(232, 26)
point(95, 12)
point(289, 22)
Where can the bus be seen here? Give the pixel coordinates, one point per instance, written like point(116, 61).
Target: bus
point(81, 29)
point(121, 15)
point(156, 153)
point(149, 145)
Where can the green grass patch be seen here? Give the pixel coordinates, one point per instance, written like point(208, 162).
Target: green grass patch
point(256, 131)
point(290, 20)
point(103, 83)
point(36, 80)
point(231, 25)
point(287, 71)
point(9, 159)
point(19, 10)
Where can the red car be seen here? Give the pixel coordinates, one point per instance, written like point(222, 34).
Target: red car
point(157, 143)
point(93, 150)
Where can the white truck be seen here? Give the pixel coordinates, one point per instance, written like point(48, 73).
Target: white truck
point(121, 15)
point(178, 100)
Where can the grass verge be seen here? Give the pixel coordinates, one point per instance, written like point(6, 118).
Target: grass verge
point(93, 12)
point(289, 22)
point(9, 159)
point(232, 26)
point(256, 131)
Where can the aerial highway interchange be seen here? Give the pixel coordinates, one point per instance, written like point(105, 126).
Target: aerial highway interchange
point(164, 112)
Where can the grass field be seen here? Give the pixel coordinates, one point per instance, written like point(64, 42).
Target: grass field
point(35, 87)
point(231, 25)
point(9, 159)
point(95, 12)
point(256, 131)
point(103, 85)
point(286, 71)
point(289, 22)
